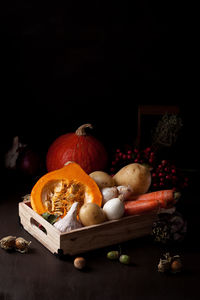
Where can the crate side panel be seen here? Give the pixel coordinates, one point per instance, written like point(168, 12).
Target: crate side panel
point(48, 239)
point(29, 213)
point(102, 236)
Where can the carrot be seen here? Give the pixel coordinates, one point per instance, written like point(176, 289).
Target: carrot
point(140, 206)
point(165, 198)
point(150, 201)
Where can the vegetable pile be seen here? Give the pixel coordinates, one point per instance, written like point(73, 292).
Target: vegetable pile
point(76, 191)
point(75, 199)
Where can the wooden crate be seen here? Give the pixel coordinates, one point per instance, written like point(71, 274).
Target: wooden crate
point(85, 238)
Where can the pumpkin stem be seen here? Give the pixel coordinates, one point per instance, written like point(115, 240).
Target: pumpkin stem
point(81, 129)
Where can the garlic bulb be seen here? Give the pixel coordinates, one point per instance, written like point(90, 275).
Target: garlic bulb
point(69, 222)
point(114, 209)
point(109, 193)
point(124, 192)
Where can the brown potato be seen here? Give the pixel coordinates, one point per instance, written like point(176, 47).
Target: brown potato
point(102, 179)
point(135, 175)
point(91, 214)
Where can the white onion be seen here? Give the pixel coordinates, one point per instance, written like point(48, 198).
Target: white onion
point(114, 209)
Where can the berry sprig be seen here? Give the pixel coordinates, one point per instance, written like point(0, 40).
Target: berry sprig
point(165, 174)
point(124, 157)
point(120, 159)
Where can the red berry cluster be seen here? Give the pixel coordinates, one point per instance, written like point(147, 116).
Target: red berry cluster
point(146, 156)
point(164, 174)
point(124, 157)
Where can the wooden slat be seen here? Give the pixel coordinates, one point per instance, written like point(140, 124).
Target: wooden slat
point(106, 234)
point(51, 240)
point(86, 238)
point(23, 207)
point(158, 109)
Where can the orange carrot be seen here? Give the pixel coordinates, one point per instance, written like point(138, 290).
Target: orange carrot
point(150, 201)
point(165, 198)
point(140, 206)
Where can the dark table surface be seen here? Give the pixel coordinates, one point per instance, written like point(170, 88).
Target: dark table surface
point(40, 275)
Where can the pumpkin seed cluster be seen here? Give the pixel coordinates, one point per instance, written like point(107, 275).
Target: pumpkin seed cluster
point(60, 199)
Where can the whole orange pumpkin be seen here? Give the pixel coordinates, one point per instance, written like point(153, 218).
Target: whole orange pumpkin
point(79, 147)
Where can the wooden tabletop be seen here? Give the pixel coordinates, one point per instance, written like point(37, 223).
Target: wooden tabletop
point(38, 274)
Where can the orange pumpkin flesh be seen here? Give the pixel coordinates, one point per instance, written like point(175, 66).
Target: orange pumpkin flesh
point(56, 191)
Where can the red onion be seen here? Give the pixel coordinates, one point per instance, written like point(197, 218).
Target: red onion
point(29, 162)
point(22, 159)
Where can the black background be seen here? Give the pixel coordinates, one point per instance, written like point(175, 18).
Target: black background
point(72, 62)
point(66, 63)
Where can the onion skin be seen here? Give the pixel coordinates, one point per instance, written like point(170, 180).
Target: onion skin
point(83, 149)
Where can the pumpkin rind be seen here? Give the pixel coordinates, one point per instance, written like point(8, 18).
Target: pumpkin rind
point(70, 172)
point(85, 150)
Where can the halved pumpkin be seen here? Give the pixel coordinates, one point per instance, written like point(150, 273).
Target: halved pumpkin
point(56, 191)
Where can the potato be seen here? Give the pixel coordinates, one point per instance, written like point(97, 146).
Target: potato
point(102, 179)
point(91, 214)
point(135, 175)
